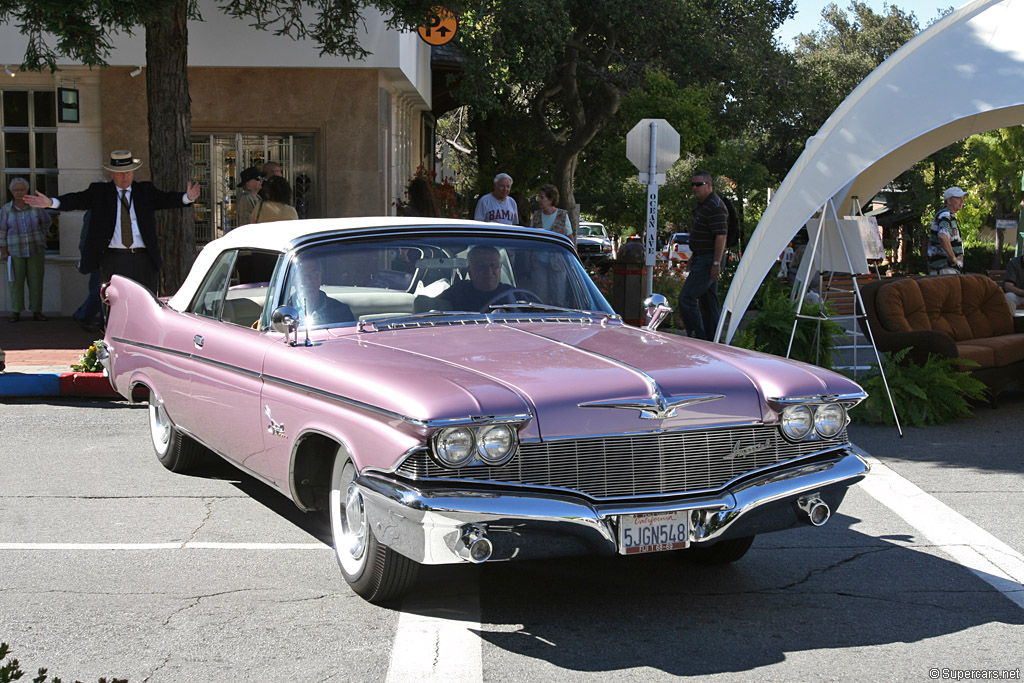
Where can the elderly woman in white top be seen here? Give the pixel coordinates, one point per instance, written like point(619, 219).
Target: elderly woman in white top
point(23, 239)
point(549, 216)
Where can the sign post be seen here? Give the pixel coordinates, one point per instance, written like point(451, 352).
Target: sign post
point(652, 145)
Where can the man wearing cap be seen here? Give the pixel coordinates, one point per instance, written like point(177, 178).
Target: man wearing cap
point(497, 206)
point(252, 181)
point(122, 236)
point(945, 248)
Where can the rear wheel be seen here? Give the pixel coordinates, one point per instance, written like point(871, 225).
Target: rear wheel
point(374, 571)
point(175, 451)
point(723, 552)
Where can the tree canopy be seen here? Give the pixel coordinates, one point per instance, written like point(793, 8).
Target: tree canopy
point(560, 69)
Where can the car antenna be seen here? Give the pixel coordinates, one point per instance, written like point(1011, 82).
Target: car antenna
point(305, 315)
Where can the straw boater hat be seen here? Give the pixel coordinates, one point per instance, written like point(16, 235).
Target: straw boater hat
point(121, 161)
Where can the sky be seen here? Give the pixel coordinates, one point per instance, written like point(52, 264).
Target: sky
point(808, 14)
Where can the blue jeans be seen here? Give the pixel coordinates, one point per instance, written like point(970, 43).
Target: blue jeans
point(698, 299)
point(90, 308)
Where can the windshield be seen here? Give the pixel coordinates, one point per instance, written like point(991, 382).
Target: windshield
point(344, 282)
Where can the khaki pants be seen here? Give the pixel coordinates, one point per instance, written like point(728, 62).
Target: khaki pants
point(1014, 301)
point(27, 269)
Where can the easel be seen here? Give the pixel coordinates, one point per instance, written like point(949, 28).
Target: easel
point(836, 246)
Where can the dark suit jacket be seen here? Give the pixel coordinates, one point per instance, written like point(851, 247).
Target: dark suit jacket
point(101, 200)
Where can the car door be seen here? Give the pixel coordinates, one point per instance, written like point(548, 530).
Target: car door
point(228, 357)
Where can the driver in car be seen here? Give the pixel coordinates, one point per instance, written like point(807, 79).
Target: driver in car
point(312, 302)
point(484, 285)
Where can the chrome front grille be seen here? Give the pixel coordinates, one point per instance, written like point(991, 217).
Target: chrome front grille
point(637, 465)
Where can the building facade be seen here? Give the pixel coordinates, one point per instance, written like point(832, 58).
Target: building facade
point(347, 133)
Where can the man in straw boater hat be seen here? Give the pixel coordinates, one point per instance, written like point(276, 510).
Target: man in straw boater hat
point(122, 228)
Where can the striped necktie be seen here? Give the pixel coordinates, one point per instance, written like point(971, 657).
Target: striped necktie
point(126, 221)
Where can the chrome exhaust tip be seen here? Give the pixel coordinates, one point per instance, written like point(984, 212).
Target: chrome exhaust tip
point(815, 510)
point(473, 544)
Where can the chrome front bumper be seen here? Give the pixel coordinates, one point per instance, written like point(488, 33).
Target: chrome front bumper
point(426, 521)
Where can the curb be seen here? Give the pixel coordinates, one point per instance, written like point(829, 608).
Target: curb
point(79, 384)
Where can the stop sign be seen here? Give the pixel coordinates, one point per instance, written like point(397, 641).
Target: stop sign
point(638, 147)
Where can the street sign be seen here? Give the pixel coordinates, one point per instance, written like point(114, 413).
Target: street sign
point(638, 148)
point(652, 145)
point(440, 28)
point(1006, 224)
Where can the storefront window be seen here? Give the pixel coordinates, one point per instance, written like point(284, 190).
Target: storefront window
point(28, 137)
point(219, 160)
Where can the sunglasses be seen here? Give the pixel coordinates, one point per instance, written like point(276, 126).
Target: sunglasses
point(698, 184)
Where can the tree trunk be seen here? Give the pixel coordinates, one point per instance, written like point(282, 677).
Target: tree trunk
point(170, 133)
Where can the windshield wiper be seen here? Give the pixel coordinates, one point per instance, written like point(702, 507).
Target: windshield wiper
point(425, 315)
point(533, 305)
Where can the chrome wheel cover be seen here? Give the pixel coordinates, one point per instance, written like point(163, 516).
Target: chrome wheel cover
point(349, 524)
point(160, 428)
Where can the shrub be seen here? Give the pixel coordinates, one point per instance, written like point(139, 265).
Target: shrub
point(938, 391)
point(770, 330)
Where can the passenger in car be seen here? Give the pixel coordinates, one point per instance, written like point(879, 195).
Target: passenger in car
point(484, 283)
point(315, 307)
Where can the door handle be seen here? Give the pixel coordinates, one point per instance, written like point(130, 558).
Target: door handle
point(199, 340)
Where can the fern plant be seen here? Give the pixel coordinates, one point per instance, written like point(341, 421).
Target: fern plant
point(938, 391)
point(814, 341)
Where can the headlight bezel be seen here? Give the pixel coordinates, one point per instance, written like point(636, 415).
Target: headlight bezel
point(839, 421)
point(828, 416)
point(444, 443)
point(788, 414)
point(479, 453)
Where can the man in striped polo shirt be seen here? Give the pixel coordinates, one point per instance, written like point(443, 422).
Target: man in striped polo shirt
point(698, 299)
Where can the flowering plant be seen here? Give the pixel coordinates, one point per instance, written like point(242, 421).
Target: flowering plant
point(90, 361)
point(444, 192)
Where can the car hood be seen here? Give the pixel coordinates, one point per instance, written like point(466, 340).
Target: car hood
point(573, 379)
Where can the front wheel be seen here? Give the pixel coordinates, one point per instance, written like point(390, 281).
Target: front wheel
point(374, 571)
point(723, 552)
point(175, 450)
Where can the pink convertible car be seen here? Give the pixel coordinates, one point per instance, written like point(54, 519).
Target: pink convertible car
point(450, 391)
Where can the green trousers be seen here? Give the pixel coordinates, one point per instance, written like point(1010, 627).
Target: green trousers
point(27, 269)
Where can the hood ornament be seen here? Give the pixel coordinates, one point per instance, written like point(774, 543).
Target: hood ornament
point(657, 407)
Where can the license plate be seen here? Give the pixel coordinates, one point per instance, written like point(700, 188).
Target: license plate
point(654, 532)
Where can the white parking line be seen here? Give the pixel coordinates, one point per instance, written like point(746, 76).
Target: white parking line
point(187, 545)
point(993, 561)
point(438, 639)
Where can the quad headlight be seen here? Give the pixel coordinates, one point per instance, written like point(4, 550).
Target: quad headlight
point(493, 445)
point(803, 421)
point(797, 422)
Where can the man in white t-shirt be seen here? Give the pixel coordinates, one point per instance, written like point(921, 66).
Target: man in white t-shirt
point(497, 206)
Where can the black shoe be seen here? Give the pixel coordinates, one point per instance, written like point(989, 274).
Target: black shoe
point(15, 317)
point(87, 327)
point(40, 317)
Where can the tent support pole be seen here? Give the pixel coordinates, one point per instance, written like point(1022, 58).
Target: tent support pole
point(859, 303)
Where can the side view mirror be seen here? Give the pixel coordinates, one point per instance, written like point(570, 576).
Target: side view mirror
point(657, 310)
point(285, 319)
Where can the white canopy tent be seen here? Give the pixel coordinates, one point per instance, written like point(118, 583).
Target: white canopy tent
point(961, 76)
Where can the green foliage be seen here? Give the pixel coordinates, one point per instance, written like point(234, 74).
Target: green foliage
point(937, 392)
point(89, 361)
point(10, 670)
point(668, 281)
point(771, 328)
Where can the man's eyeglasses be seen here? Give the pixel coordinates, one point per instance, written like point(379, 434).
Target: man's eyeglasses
point(698, 184)
point(485, 266)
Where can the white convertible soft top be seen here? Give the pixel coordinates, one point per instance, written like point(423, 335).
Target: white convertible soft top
point(279, 236)
point(963, 75)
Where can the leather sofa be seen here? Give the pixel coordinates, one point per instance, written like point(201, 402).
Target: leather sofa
point(958, 316)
